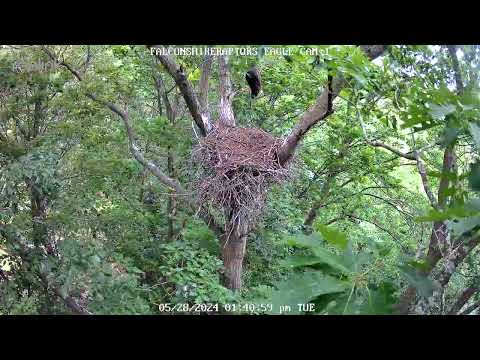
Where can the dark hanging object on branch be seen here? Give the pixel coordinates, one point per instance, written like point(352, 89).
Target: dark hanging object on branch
point(254, 80)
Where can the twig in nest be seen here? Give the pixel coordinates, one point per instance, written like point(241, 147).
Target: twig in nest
point(239, 165)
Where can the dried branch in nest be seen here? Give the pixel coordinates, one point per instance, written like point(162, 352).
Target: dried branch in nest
point(239, 165)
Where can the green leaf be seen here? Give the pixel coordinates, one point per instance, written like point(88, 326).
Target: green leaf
point(451, 213)
point(335, 261)
point(424, 285)
point(463, 225)
point(475, 131)
point(194, 75)
point(333, 236)
point(301, 288)
point(421, 265)
point(303, 241)
point(472, 205)
point(380, 301)
point(440, 111)
point(300, 261)
point(474, 177)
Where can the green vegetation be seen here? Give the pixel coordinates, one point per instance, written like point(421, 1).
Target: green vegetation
point(101, 168)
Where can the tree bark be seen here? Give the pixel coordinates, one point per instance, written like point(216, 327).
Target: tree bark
point(322, 107)
point(471, 308)
point(186, 88)
point(226, 116)
point(462, 300)
point(462, 250)
point(439, 233)
point(234, 247)
point(237, 229)
point(171, 110)
point(203, 89)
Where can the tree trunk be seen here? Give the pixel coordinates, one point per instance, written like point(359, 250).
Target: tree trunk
point(226, 117)
point(234, 245)
point(437, 237)
point(439, 234)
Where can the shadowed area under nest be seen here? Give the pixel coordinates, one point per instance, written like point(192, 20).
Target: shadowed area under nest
point(239, 165)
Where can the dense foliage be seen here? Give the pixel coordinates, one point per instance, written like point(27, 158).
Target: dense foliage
point(380, 214)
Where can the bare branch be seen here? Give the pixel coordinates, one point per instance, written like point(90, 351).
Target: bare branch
point(423, 175)
point(321, 109)
point(186, 89)
point(24, 251)
point(439, 230)
point(456, 257)
point(134, 148)
point(389, 203)
point(439, 234)
point(138, 155)
point(373, 222)
point(378, 143)
point(449, 154)
point(163, 94)
point(447, 167)
point(312, 213)
point(226, 116)
point(62, 63)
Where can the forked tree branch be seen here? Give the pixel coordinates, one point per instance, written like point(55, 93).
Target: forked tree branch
point(134, 148)
point(462, 249)
point(138, 155)
point(423, 175)
point(439, 230)
point(373, 222)
point(322, 107)
point(186, 88)
point(163, 95)
point(378, 143)
point(24, 252)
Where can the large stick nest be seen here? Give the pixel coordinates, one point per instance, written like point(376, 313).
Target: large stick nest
point(239, 165)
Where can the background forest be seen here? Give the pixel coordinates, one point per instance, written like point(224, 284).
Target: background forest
point(131, 179)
